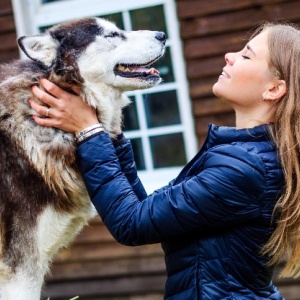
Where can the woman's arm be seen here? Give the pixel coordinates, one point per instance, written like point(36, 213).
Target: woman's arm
point(125, 155)
point(224, 194)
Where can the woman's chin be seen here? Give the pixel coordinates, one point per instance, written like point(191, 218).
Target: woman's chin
point(216, 89)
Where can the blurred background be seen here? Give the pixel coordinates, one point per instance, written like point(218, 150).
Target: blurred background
point(166, 124)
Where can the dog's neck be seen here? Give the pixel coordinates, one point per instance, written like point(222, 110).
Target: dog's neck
point(108, 102)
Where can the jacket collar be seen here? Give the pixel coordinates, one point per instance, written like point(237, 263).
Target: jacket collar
point(223, 134)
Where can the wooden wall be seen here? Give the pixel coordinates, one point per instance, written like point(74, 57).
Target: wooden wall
point(95, 266)
point(8, 46)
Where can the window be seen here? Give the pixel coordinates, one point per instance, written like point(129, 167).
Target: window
point(158, 121)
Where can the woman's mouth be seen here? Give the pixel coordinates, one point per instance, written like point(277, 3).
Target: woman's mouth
point(225, 74)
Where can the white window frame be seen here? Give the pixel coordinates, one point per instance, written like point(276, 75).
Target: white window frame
point(31, 14)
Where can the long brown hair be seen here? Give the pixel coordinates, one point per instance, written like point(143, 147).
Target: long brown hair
point(284, 49)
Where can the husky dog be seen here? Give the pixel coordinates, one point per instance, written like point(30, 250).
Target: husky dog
point(43, 200)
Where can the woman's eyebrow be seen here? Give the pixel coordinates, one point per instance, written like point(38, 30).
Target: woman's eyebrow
point(250, 49)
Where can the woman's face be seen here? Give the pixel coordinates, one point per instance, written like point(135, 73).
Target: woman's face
point(246, 75)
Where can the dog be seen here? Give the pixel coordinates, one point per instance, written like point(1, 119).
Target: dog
point(43, 199)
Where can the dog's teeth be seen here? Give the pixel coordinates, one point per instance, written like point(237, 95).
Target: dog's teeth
point(153, 71)
point(121, 68)
point(137, 69)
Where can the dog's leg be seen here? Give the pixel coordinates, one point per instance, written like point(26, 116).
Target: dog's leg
point(20, 287)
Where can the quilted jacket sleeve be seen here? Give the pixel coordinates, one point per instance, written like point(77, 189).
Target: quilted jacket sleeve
point(224, 192)
point(125, 155)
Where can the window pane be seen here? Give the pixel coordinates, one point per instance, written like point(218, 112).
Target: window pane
point(138, 153)
point(42, 29)
point(130, 114)
point(161, 109)
point(164, 66)
point(168, 150)
point(115, 18)
point(149, 18)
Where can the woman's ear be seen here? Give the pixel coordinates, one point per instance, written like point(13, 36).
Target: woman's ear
point(275, 91)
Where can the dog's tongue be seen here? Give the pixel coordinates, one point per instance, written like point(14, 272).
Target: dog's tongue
point(143, 70)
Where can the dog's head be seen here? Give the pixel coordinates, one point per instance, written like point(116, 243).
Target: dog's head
point(93, 50)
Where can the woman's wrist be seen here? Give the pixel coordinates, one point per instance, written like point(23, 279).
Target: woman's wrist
point(87, 132)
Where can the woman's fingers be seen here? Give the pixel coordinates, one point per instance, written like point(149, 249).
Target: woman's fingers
point(76, 90)
point(47, 122)
point(52, 93)
point(45, 113)
point(44, 96)
point(53, 89)
point(64, 110)
point(40, 109)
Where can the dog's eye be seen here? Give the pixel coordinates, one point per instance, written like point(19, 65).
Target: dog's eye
point(113, 34)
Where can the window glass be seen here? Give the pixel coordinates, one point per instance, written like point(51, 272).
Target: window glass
point(138, 153)
point(130, 116)
point(161, 109)
point(164, 66)
point(115, 18)
point(43, 28)
point(168, 150)
point(149, 18)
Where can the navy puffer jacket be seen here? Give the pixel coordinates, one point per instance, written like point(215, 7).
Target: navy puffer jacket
point(212, 220)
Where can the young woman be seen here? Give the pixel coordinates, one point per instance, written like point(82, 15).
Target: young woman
point(233, 211)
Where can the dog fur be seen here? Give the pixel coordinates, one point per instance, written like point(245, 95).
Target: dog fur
point(43, 200)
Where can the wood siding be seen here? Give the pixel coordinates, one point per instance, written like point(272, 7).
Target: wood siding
point(8, 46)
point(95, 266)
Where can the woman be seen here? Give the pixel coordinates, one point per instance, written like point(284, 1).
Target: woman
point(216, 220)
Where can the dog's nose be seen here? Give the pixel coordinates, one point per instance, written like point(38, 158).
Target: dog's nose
point(161, 36)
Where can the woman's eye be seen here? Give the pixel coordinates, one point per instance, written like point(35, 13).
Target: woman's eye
point(245, 56)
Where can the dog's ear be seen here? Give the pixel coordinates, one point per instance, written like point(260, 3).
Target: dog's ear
point(41, 48)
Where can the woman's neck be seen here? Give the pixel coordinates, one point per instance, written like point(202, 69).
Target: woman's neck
point(251, 119)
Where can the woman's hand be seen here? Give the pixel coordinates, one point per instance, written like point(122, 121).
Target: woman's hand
point(64, 111)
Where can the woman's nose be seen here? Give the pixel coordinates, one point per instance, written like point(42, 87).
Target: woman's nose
point(229, 58)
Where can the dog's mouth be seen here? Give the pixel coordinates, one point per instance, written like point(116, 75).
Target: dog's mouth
point(137, 70)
